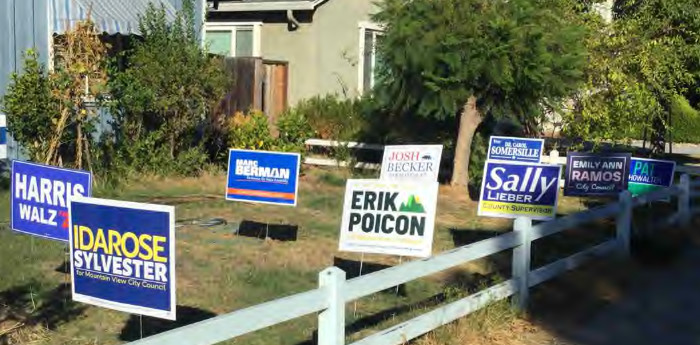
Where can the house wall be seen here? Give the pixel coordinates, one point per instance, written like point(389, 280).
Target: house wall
point(323, 54)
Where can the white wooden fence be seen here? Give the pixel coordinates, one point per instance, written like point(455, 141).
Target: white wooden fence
point(334, 292)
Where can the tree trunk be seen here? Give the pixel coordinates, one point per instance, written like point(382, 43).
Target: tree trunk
point(469, 120)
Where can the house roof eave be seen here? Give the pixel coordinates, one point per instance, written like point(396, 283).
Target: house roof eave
point(268, 6)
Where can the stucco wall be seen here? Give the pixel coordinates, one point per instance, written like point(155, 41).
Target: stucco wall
point(322, 54)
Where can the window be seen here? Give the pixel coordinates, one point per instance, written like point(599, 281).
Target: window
point(370, 35)
point(233, 39)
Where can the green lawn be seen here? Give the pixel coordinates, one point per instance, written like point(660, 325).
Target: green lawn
point(219, 272)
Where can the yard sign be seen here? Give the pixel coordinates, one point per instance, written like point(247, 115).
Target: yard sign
point(411, 162)
point(515, 149)
point(123, 256)
point(387, 217)
point(40, 196)
point(263, 177)
point(3, 136)
point(591, 174)
point(648, 175)
point(511, 190)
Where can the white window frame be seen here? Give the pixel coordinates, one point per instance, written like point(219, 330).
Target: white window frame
point(363, 27)
point(233, 26)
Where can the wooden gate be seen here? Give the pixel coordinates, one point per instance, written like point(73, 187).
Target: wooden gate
point(256, 84)
point(275, 89)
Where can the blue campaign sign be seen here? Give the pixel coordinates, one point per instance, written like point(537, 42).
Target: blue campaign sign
point(646, 175)
point(123, 256)
point(596, 174)
point(516, 149)
point(511, 190)
point(263, 177)
point(40, 195)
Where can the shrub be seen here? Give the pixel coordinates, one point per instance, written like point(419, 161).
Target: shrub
point(31, 108)
point(294, 128)
point(685, 125)
point(331, 117)
point(476, 162)
point(251, 131)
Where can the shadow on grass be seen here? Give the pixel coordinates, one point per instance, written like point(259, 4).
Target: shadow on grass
point(48, 309)
point(278, 232)
point(463, 237)
point(151, 326)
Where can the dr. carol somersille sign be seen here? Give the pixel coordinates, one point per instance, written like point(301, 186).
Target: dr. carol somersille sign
point(510, 190)
point(596, 174)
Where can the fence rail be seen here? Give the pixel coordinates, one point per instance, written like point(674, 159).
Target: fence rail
point(335, 291)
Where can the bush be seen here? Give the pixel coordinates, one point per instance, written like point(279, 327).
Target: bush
point(334, 118)
point(294, 129)
point(251, 131)
point(685, 125)
point(480, 146)
point(32, 110)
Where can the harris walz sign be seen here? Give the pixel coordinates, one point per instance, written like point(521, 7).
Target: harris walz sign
point(511, 190)
point(596, 174)
point(40, 197)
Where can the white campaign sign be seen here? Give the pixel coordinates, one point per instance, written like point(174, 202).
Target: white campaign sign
point(411, 163)
point(389, 217)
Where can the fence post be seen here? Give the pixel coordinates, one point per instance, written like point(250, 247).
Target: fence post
point(331, 322)
point(684, 200)
point(521, 262)
point(624, 223)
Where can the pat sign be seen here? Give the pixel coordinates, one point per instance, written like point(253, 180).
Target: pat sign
point(263, 177)
point(647, 175)
point(40, 197)
point(515, 149)
point(411, 162)
point(511, 190)
point(590, 174)
point(389, 217)
point(123, 256)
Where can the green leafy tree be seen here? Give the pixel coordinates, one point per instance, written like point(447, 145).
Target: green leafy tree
point(170, 83)
point(641, 65)
point(476, 58)
point(31, 108)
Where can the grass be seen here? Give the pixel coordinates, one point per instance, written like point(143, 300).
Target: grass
point(219, 272)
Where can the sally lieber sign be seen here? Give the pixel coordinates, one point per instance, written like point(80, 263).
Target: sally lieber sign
point(596, 174)
point(647, 175)
point(123, 256)
point(40, 196)
point(263, 177)
point(411, 162)
point(386, 217)
point(515, 149)
point(511, 190)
